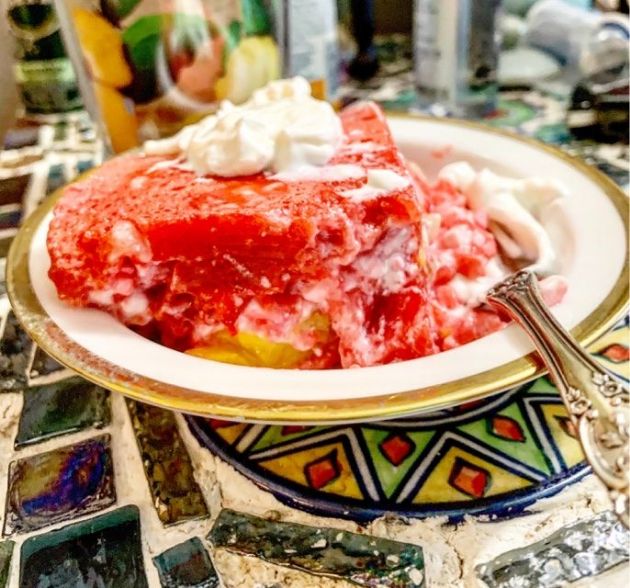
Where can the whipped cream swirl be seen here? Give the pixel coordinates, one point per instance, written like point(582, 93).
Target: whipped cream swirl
point(281, 128)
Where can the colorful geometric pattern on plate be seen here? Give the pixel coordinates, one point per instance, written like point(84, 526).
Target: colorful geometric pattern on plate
point(493, 457)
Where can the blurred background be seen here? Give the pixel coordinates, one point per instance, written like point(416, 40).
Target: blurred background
point(143, 68)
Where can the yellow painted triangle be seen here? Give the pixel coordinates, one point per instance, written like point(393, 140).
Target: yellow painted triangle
point(437, 488)
point(230, 433)
point(568, 446)
point(291, 467)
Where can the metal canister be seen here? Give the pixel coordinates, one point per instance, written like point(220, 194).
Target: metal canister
point(307, 33)
point(456, 55)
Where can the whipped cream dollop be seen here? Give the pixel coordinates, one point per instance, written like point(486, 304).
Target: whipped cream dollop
point(281, 128)
point(516, 209)
point(518, 213)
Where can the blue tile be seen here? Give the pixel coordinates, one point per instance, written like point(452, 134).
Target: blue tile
point(59, 485)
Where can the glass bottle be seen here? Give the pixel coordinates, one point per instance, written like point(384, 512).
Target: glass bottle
point(456, 55)
point(43, 71)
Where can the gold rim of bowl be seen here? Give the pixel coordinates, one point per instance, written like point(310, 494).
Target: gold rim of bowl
point(53, 340)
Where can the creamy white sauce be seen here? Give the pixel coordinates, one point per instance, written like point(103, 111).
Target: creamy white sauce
point(388, 263)
point(472, 292)
point(281, 128)
point(328, 173)
point(379, 182)
point(516, 209)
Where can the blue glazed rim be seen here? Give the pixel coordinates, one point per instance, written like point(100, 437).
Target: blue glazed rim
point(502, 506)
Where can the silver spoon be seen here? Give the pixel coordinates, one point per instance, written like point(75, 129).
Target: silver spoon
point(597, 402)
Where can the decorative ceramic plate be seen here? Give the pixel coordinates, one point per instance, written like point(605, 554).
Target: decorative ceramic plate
point(591, 240)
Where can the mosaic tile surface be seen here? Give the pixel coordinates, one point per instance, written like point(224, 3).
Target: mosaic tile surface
point(187, 564)
point(103, 551)
point(584, 549)
point(63, 407)
point(360, 559)
point(168, 468)
point(59, 485)
point(6, 552)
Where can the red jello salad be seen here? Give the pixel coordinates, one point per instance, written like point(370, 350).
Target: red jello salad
point(279, 233)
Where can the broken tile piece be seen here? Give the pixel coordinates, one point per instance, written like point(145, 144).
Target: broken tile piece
point(59, 485)
point(361, 559)
point(581, 550)
point(176, 495)
point(43, 365)
point(15, 346)
point(102, 551)
point(63, 407)
point(6, 551)
point(187, 564)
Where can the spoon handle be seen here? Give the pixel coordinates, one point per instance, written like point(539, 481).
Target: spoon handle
point(598, 403)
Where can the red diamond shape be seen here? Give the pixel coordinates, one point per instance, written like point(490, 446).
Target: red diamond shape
point(293, 429)
point(396, 448)
point(506, 428)
point(220, 424)
point(466, 406)
point(567, 426)
point(617, 353)
point(469, 478)
point(322, 471)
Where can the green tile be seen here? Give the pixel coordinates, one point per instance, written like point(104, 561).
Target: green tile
point(187, 564)
point(361, 559)
point(6, 551)
point(103, 551)
point(63, 407)
point(176, 495)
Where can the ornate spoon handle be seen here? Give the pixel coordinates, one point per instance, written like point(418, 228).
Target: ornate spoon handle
point(597, 402)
